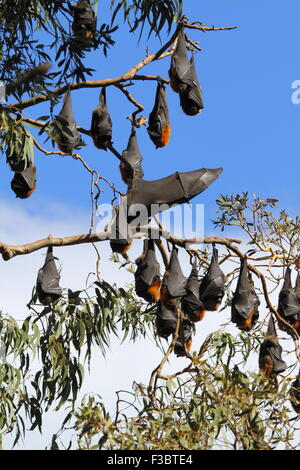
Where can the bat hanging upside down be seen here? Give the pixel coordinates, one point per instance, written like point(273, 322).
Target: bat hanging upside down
point(147, 275)
point(24, 182)
point(245, 302)
point(212, 287)
point(270, 360)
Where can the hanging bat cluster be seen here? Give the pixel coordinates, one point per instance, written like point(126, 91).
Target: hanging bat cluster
point(177, 296)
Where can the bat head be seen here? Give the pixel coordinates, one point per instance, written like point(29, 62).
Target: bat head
point(24, 182)
point(47, 286)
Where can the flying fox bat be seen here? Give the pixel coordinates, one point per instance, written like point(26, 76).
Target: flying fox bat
point(174, 282)
point(184, 341)
point(159, 195)
point(24, 182)
point(84, 20)
point(159, 128)
point(101, 127)
point(212, 289)
point(184, 80)
point(147, 275)
point(166, 320)
point(191, 99)
point(270, 360)
point(191, 303)
point(121, 240)
point(47, 286)
point(65, 131)
point(180, 65)
point(245, 302)
point(295, 394)
point(131, 164)
point(27, 77)
point(288, 303)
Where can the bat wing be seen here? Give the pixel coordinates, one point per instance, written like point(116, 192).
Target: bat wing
point(191, 303)
point(148, 266)
point(101, 127)
point(180, 65)
point(120, 239)
point(212, 287)
point(245, 302)
point(159, 195)
point(174, 280)
point(147, 275)
point(271, 348)
point(24, 182)
point(159, 126)
point(288, 304)
point(166, 321)
point(276, 353)
point(191, 99)
point(48, 289)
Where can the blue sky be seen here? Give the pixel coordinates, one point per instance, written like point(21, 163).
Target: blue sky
point(249, 125)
